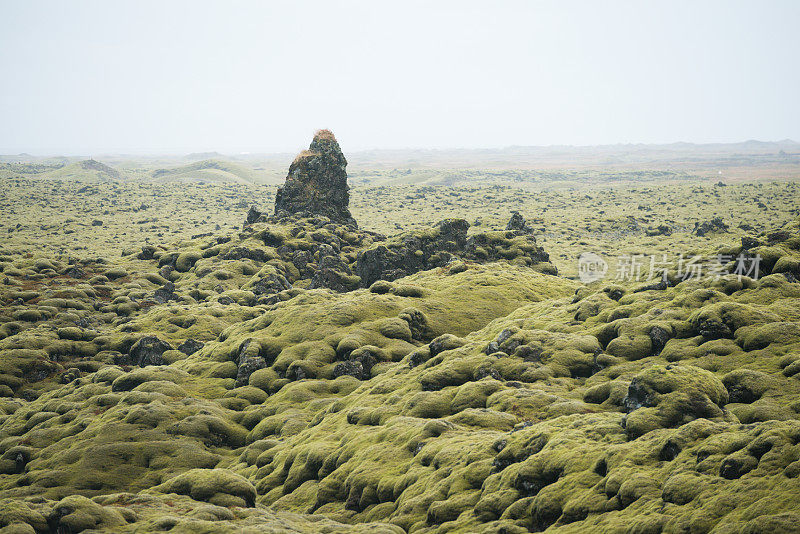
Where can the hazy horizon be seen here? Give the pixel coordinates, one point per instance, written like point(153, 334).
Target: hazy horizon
point(292, 153)
point(149, 78)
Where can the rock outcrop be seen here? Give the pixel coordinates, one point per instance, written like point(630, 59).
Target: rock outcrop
point(706, 227)
point(317, 183)
point(517, 224)
point(446, 242)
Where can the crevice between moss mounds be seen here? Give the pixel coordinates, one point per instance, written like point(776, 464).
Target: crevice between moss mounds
point(317, 182)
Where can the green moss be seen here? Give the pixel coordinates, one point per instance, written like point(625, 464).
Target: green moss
point(187, 259)
point(216, 486)
point(662, 397)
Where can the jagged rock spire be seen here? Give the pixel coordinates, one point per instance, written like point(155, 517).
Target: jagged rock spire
point(317, 182)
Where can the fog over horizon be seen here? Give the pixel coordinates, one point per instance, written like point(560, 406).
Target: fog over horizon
point(92, 77)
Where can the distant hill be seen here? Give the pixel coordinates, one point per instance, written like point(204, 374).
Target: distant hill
point(88, 170)
point(210, 170)
point(196, 156)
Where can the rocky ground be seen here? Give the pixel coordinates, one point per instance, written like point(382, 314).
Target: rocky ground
point(217, 369)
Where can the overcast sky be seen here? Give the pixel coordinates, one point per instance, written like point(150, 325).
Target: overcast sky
point(80, 77)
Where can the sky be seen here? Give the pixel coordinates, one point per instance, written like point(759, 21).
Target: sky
point(82, 77)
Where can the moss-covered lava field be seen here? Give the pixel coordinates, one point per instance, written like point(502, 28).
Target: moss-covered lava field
point(172, 360)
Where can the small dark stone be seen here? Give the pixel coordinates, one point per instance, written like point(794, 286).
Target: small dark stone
point(483, 372)
point(165, 293)
point(661, 285)
point(166, 271)
point(741, 394)
point(615, 293)
point(19, 463)
point(712, 329)
point(779, 236)
point(733, 468)
point(530, 486)
point(504, 335)
point(529, 353)
point(332, 279)
point(661, 229)
point(271, 284)
point(750, 242)
point(147, 253)
point(296, 373)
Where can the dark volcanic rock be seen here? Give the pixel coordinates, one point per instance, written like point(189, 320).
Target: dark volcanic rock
point(74, 272)
point(333, 279)
point(749, 242)
point(147, 252)
point(447, 241)
point(352, 368)
point(165, 293)
point(271, 284)
point(148, 351)
point(706, 227)
point(253, 215)
point(661, 229)
point(638, 396)
point(238, 253)
point(414, 252)
point(317, 182)
point(190, 346)
point(248, 361)
point(246, 368)
point(517, 223)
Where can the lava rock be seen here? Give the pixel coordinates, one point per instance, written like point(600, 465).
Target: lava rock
point(352, 368)
point(165, 293)
point(517, 224)
point(317, 182)
point(190, 346)
point(247, 367)
point(253, 215)
point(707, 227)
point(270, 284)
point(333, 279)
point(148, 351)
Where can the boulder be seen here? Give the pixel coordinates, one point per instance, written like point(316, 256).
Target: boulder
point(253, 215)
point(148, 351)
